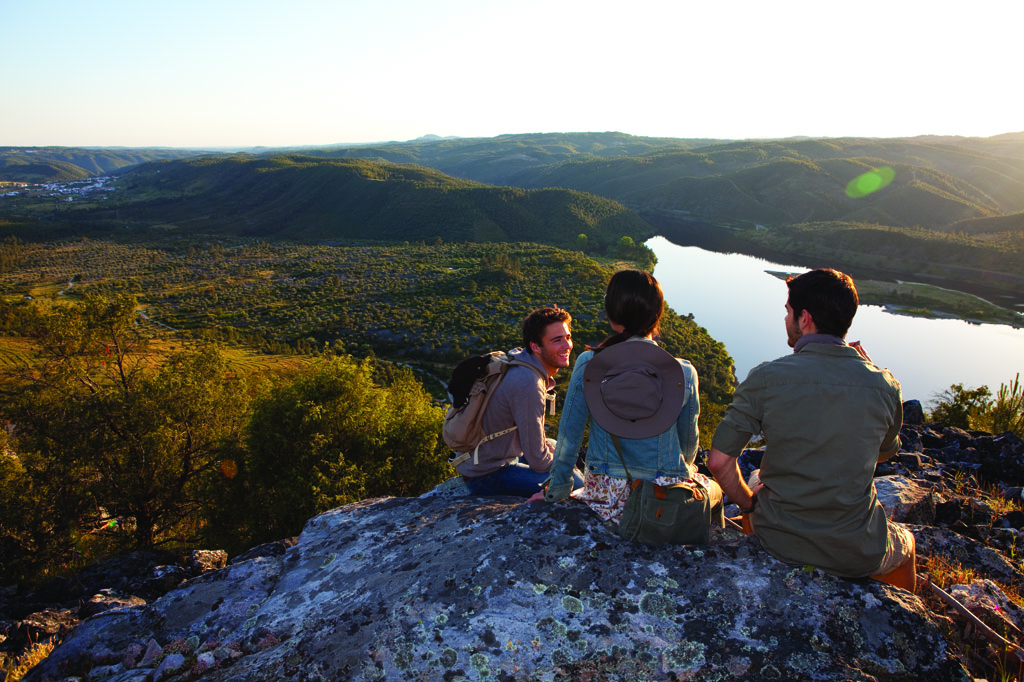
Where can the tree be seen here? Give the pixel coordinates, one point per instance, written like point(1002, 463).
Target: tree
point(331, 437)
point(119, 445)
point(1007, 413)
point(961, 407)
point(581, 241)
point(978, 409)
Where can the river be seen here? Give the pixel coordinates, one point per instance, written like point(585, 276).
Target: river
point(741, 305)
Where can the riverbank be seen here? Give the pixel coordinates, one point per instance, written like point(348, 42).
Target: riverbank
point(735, 298)
point(929, 301)
point(999, 292)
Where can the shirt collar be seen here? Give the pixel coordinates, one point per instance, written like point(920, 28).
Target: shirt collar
point(817, 338)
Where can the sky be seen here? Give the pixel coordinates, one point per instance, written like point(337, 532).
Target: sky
point(227, 73)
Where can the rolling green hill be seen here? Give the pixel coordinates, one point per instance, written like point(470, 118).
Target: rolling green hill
point(301, 197)
point(780, 182)
point(945, 185)
point(56, 164)
point(500, 160)
point(1013, 223)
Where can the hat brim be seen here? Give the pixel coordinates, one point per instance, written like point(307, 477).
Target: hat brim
point(622, 356)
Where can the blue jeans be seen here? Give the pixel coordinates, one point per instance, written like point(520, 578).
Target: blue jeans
point(516, 478)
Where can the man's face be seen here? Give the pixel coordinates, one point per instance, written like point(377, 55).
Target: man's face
point(554, 348)
point(793, 332)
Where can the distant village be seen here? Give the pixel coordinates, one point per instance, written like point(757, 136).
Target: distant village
point(66, 191)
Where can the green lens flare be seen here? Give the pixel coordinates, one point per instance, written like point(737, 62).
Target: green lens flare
point(872, 181)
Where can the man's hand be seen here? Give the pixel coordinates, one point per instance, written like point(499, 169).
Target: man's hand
point(860, 349)
point(727, 472)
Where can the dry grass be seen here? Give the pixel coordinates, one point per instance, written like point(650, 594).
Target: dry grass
point(983, 659)
point(1000, 505)
point(28, 660)
point(17, 353)
point(946, 572)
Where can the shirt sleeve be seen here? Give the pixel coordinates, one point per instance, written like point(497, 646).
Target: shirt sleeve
point(570, 434)
point(742, 419)
point(687, 425)
point(528, 415)
point(891, 444)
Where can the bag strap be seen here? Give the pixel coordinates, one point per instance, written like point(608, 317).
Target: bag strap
point(550, 397)
point(618, 449)
point(461, 457)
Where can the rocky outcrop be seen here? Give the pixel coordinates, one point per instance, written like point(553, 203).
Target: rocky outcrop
point(450, 586)
point(127, 580)
point(446, 588)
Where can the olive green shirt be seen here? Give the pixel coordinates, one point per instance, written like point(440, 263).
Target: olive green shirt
point(828, 416)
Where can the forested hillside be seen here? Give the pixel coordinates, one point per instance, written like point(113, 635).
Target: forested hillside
point(301, 197)
point(501, 160)
point(418, 303)
point(946, 208)
point(935, 184)
point(55, 164)
point(147, 337)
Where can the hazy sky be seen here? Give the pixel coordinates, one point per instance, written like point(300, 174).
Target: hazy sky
point(303, 72)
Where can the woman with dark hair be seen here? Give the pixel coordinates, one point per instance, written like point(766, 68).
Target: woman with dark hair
point(641, 403)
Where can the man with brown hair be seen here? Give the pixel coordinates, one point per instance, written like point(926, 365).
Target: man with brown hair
point(517, 463)
point(828, 415)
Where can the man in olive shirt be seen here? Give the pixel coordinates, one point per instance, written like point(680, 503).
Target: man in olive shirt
point(828, 415)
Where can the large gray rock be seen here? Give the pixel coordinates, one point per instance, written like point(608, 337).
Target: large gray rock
point(494, 589)
point(905, 500)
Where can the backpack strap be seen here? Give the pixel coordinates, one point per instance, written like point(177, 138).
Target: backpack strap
point(460, 457)
point(550, 397)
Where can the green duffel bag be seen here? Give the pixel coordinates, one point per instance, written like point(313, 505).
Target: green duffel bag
point(678, 514)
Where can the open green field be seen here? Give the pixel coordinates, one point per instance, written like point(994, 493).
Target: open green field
point(15, 353)
point(18, 352)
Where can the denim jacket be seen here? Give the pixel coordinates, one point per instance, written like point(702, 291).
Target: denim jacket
point(670, 454)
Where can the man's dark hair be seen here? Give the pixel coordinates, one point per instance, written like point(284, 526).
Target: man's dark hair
point(829, 295)
point(537, 321)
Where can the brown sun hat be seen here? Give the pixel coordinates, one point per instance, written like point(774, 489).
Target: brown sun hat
point(634, 389)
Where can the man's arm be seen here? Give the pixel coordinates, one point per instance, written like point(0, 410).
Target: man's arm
point(528, 405)
point(570, 434)
point(892, 444)
point(727, 472)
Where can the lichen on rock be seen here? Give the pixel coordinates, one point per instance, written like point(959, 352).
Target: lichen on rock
point(491, 589)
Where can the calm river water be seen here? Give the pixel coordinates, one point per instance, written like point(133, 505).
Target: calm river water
point(741, 305)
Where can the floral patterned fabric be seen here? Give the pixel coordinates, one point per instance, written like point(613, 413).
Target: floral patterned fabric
point(607, 495)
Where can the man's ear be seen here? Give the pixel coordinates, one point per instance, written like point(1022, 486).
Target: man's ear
point(806, 322)
point(534, 348)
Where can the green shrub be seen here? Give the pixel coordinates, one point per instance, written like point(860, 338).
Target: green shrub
point(331, 437)
point(977, 409)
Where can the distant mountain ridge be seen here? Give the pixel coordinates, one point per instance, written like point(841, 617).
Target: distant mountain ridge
point(974, 185)
point(57, 164)
point(939, 182)
point(778, 183)
point(294, 196)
